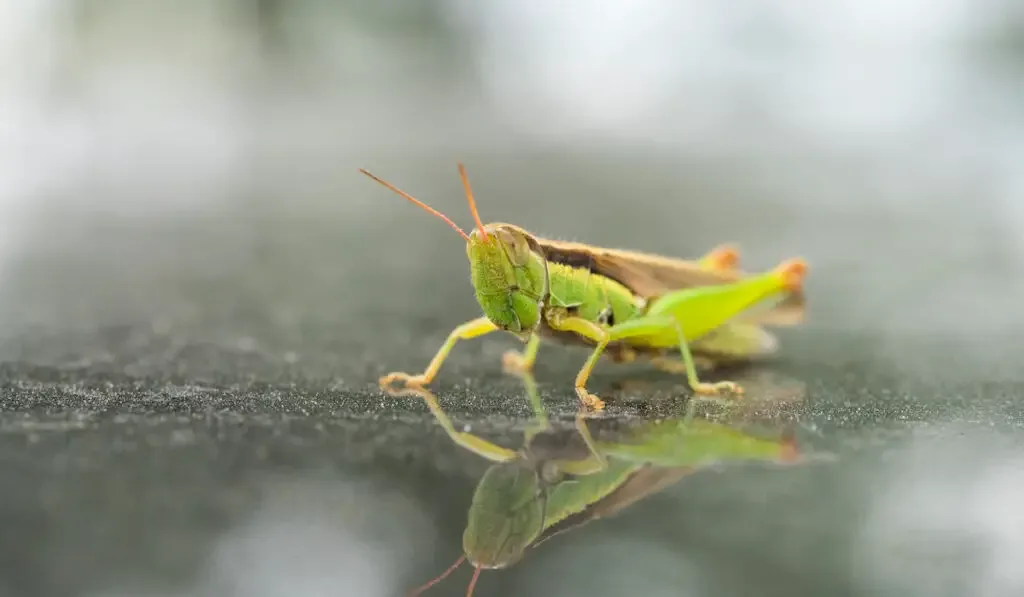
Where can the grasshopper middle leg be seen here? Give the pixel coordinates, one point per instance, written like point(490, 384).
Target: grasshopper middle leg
point(599, 335)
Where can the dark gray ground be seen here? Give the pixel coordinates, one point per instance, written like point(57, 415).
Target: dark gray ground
point(198, 291)
point(190, 408)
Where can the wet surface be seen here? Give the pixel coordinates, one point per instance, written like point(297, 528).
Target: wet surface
point(191, 409)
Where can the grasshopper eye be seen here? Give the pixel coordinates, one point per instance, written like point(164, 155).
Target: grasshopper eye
point(516, 247)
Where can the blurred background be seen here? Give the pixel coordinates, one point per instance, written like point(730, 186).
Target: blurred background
point(182, 216)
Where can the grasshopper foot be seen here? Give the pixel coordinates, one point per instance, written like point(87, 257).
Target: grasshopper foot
point(717, 389)
point(514, 362)
point(416, 381)
point(589, 400)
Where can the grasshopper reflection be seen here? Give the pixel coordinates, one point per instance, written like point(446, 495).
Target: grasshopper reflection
point(555, 483)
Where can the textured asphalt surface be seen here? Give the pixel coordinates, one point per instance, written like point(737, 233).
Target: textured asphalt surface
point(189, 407)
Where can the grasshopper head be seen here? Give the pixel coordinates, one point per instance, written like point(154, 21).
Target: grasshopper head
point(509, 276)
point(506, 516)
point(507, 268)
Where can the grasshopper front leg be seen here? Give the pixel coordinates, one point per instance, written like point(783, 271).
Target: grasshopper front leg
point(522, 363)
point(467, 331)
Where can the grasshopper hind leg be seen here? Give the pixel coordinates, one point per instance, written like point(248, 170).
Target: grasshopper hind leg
point(671, 364)
point(689, 366)
point(707, 308)
point(644, 326)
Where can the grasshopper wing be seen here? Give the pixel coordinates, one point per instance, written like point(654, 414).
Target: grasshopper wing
point(651, 275)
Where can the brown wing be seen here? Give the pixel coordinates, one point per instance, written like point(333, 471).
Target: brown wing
point(646, 481)
point(651, 275)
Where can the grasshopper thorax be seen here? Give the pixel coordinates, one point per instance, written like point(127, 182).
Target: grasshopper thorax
point(509, 275)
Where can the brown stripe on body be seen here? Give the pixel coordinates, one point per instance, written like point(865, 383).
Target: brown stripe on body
point(650, 276)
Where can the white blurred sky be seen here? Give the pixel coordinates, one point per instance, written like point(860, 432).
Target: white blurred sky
point(158, 107)
point(162, 81)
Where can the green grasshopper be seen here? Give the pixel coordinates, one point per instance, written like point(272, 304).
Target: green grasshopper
point(539, 491)
point(623, 304)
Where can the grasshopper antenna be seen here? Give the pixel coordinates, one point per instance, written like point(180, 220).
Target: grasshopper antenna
point(419, 590)
point(416, 201)
point(472, 202)
point(472, 583)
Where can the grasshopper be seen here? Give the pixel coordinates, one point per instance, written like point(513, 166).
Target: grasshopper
point(623, 304)
point(547, 488)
